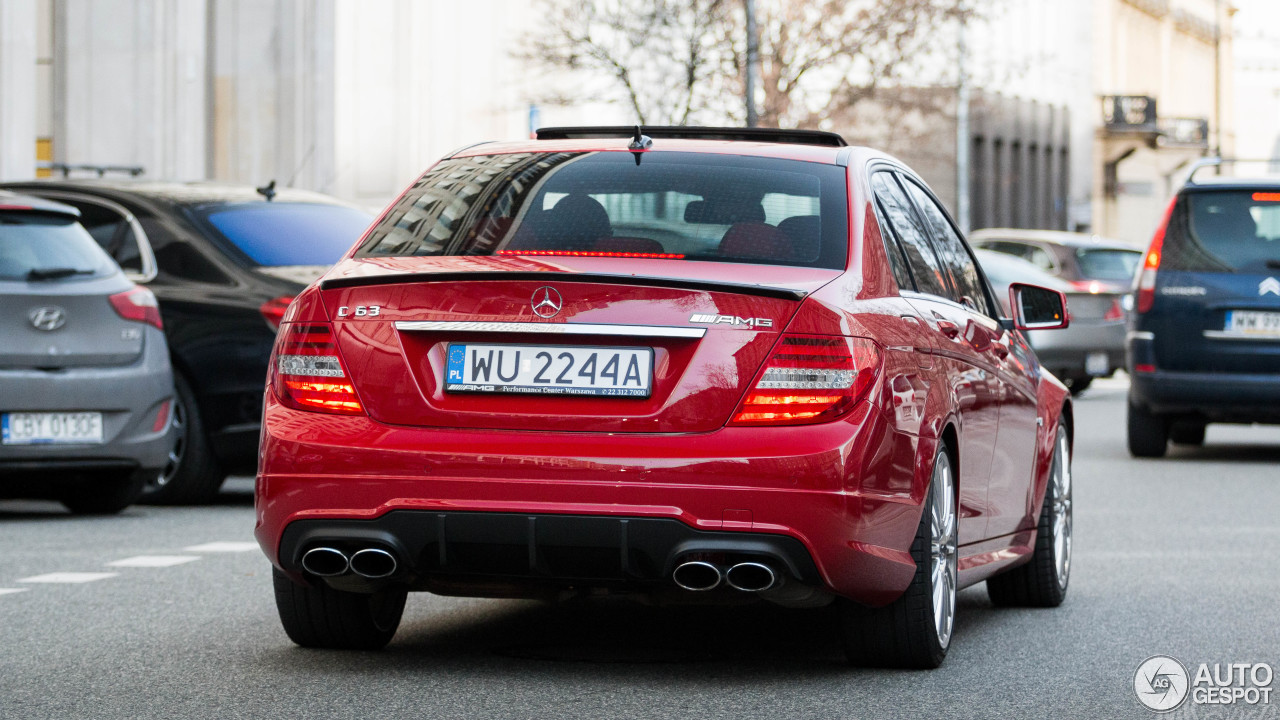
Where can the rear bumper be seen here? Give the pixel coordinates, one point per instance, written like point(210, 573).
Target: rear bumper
point(1216, 397)
point(454, 551)
point(816, 498)
point(129, 397)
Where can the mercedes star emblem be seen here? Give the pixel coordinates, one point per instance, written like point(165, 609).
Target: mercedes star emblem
point(546, 302)
point(47, 318)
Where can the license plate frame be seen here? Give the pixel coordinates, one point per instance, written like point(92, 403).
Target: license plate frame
point(51, 428)
point(541, 379)
point(1252, 324)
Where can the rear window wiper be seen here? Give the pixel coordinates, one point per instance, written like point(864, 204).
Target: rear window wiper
point(55, 273)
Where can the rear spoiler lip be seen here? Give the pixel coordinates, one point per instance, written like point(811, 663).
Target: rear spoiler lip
point(554, 277)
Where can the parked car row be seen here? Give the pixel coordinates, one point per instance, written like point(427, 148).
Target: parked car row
point(216, 267)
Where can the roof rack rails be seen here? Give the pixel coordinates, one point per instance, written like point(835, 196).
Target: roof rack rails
point(1203, 163)
point(693, 132)
point(67, 168)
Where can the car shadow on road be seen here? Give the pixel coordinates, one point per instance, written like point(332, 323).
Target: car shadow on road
point(1224, 452)
point(758, 640)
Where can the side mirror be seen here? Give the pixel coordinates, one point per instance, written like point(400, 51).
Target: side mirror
point(1037, 308)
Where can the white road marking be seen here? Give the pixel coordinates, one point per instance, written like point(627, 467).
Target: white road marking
point(68, 577)
point(216, 547)
point(10, 591)
point(153, 561)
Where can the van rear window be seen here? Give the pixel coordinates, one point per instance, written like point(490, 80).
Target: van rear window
point(670, 205)
point(1225, 231)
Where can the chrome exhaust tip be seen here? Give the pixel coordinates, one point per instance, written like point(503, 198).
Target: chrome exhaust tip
point(325, 562)
point(373, 563)
point(696, 576)
point(751, 577)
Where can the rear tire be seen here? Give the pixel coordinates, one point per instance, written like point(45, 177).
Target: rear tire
point(321, 617)
point(105, 495)
point(1079, 384)
point(1043, 581)
point(1187, 432)
point(192, 475)
point(915, 630)
point(1148, 432)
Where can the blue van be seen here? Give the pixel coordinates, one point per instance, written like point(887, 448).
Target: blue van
point(1204, 337)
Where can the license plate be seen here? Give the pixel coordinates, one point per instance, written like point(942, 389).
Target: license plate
point(51, 428)
point(550, 370)
point(1250, 323)
point(1095, 363)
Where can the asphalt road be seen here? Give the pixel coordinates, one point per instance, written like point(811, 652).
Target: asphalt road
point(1175, 556)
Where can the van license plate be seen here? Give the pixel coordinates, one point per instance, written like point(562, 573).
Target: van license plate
point(549, 370)
point(51, 428)
point(1251, 323)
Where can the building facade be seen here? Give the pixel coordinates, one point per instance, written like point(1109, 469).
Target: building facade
point(1163, 76)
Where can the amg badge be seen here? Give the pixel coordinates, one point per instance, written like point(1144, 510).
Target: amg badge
point(731, 320)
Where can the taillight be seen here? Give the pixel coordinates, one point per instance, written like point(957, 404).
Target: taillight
point(273, 310)
point(138, 305)
point(1151, 263)
point(810, 379)
point(1115, 312)
point(307, 372)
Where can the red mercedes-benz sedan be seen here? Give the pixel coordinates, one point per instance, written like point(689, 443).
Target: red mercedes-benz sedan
point(691, 363)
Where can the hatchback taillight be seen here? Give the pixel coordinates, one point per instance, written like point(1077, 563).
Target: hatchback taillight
point(138, 305)
point(307, 372)
point(810, 379)
point(1146, 295)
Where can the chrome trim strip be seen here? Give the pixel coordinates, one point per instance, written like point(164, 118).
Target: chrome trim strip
point(551, 328)
point(1139, 335)
point(1224, 335)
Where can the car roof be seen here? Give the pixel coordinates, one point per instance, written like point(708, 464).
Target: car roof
point(179, 193)
point(1055, 237)
point(14, 201)
point(1226, 183)
point(781, 150)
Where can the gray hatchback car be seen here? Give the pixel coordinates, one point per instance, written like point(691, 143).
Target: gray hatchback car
point(86, 391)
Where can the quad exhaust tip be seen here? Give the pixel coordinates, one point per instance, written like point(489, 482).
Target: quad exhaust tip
point(697, 576)
point(750, 577)
point(325, 562)
point(373, 563)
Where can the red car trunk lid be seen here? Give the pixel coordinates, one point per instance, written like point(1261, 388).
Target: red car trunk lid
point(395, 320)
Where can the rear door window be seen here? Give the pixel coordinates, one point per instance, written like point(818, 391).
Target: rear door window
point(112, 232)
point(913, 234)
point(1225, 231)
point(969, 289)
point(670, 205)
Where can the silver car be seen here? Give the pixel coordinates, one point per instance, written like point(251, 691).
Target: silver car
point(86, 391)
point(1092, 346)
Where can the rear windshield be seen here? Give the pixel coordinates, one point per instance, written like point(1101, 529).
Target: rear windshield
point(37, 246)
point(281, 233)
point(1108, 264)
point(670, 205)
point(1224, 231)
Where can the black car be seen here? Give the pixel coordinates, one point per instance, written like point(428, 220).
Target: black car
point(1204, 337)
point(224, 262)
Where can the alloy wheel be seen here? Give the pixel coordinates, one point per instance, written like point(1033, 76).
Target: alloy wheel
point(1061, 499)
point(943, 550)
